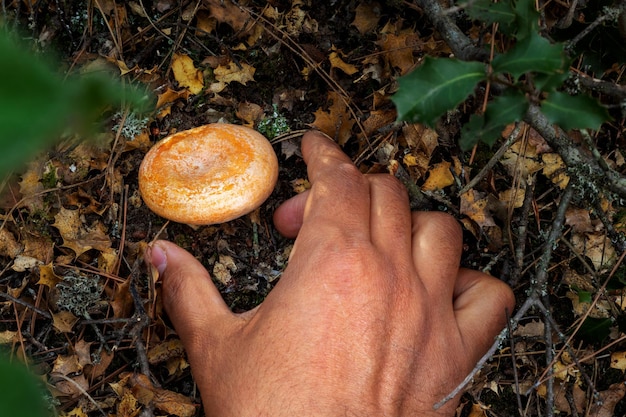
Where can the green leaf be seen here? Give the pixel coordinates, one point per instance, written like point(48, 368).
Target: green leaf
point(489, 12)
point(37, 105)
point(527, 18)
point(595, 330)
point(550, 82)
point(532, 54)
point(20, 394)
point(437, 86)
point(503, 110)
point(574, 112)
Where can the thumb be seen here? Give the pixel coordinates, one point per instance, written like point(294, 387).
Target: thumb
point(191, 300)
point(289, 216)
point(481, 305)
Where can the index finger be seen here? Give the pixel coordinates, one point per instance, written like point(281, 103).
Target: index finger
point(339, 199)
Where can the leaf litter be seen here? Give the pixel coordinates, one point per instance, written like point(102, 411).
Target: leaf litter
point(73, 228)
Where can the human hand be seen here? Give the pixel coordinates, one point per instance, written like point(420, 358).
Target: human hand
point(372, 317)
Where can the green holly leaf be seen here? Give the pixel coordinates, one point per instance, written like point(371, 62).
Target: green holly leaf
point(550, 82)
point(532, 54)
point(574, 112)
point(436, 86)
point(489, 12)
point(503, 110)
point(527, 18)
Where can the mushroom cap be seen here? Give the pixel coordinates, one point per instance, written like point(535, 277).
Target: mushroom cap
point(207, 175)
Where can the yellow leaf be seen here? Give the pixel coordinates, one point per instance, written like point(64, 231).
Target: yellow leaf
point(513, 198)
point(337, 62)
point(555, 169)
point(618, 360)
point(7, 337)
point(233, 72)
point(186, 73)
point(439, 177)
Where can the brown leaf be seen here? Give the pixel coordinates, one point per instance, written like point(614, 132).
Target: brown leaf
point(399, 50)
point(337, 122)
point(474, 206)
point(165, 350)
point(609, 399)
point(66, 365)
point(579, 220)
point(167, 401)
point(597, 247)
point(47, 276)
point(366, 17)
point(63, 321)
point(78, 237)
point(8, 245)
point(250, 113)
point(227, 12)
point(122, 301)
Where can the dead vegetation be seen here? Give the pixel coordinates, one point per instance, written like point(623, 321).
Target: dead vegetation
point(543, 209)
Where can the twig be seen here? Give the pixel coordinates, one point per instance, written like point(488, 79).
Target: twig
point(520, 408)
point(27, 305)
point(493, 161)
point(609, 13)
point(522, 232)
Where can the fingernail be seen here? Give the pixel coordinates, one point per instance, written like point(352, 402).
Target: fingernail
point(158, 258)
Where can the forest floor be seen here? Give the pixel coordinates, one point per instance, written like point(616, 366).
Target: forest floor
point(78, 305)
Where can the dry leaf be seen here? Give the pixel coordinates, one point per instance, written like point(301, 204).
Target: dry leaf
point(63, 321)
point(474, 206)
point(242, 73)
point(168, 349)
point(597, 247)
point(170, 96)
point(186, 73)
point(78, 237)
point(555, 169)
point(366, 17)
point(520, 160)
point(128, 405)
point(609, 399)
point(250, 113)
point(399, 50)
point(8, 245)
point(618, 360)
point(31, 187)
point(439, 177)
point(337, 122)
point(337, 62)
point(513, 198)
point(66, 365)
point(7, 337)
point(47, 276)
point(477, 411)
point(579, 220)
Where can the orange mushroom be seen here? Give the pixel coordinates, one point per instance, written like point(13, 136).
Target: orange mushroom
point(207, 175)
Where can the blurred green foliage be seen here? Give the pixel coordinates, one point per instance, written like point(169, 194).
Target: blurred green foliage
point(20, 393)
point(38, 104)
